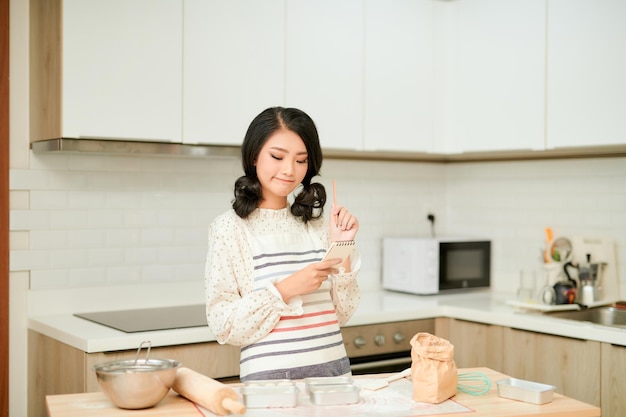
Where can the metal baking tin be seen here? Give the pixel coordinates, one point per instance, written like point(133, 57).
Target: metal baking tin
point(527, 391)
point(334, 394)
point(279, 393)
point(326, 380)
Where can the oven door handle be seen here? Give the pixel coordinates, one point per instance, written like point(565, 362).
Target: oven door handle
point(375, 364)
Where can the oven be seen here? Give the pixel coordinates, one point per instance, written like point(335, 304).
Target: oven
point(383, 347)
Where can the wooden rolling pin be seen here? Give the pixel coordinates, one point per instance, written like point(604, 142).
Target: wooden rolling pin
point(209, 393)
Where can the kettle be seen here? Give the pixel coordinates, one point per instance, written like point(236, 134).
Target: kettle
point(565, 291)
point(562, 292)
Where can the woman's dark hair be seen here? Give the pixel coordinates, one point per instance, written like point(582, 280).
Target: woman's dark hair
point(309, 202)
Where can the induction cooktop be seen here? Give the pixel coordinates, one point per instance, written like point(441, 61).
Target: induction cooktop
point(148, 319)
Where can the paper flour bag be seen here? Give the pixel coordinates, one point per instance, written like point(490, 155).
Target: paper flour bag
point(433, 371)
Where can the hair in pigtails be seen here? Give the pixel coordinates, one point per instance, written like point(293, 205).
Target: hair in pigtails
point(247, 196)
point(309, 203)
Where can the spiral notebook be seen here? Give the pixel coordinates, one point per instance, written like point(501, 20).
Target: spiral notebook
point(340, 250)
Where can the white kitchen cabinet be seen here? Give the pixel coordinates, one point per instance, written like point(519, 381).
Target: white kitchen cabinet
point(106, 69)
point(399, 87)
point(234, 66)
point(496, 75)
point(585, 74)
point(324, 68)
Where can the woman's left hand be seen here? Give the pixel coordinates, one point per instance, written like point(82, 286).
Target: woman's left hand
point(343, 224)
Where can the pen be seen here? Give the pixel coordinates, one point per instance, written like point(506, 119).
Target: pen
point(335, 198)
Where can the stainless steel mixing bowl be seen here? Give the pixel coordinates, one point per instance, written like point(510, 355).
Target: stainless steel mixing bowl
point(136, 383)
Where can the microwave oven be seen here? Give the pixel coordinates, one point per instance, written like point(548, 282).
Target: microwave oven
point(430, 265)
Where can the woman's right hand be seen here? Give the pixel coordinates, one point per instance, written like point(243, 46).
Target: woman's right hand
point(307, 279)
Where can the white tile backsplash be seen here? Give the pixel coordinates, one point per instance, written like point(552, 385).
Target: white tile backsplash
point(515, 201)
point(69, 219)
point(115, 220)
point(23, 219)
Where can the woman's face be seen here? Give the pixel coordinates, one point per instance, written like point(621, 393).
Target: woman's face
point(281, 166)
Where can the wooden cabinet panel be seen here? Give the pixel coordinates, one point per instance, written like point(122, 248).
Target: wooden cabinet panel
point(56, 368)
point(53, 368)
point(572, 365)
point(613, 380)
point(211, 359)
point(475, 344)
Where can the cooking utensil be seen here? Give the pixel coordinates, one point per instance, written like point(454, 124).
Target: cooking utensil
point(589, 294)
point(561, 250)
point(209, 393)
point(564, 292)
point(527, 391)
point(138, 383)
point(549, 237)
point(270, 393)
point(337, 394)
point(384, 382)
point(590, 274)
point(326, 380)
point(473, 383)
point(566, 272)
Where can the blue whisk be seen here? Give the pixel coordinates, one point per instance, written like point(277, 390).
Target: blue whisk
point(474, 383)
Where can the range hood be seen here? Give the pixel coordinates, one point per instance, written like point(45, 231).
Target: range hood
point(150, 148)
point(130, 147)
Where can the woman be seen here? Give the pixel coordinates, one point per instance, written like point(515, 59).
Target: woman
point(267, 289)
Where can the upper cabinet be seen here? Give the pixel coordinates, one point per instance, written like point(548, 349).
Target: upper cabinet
point(324, 68)
point(586, 85)
point(497, 75)
point(399, 86)
point(234, 66)
point(106, 69)
point(451, 77)
point(420, 76)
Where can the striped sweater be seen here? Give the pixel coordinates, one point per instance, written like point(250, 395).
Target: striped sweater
point(278, 340)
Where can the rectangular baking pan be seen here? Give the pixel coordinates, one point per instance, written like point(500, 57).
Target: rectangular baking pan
point(281, 393)
point(335, 394)
point(527, 391)
point(326, 380)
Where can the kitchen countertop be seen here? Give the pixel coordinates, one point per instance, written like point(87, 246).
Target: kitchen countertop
point(95, 404)
point(375, 307)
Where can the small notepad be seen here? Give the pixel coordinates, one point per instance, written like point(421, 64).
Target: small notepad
point(340, 250)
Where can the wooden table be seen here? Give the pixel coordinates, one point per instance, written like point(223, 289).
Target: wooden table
point(95, 404)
